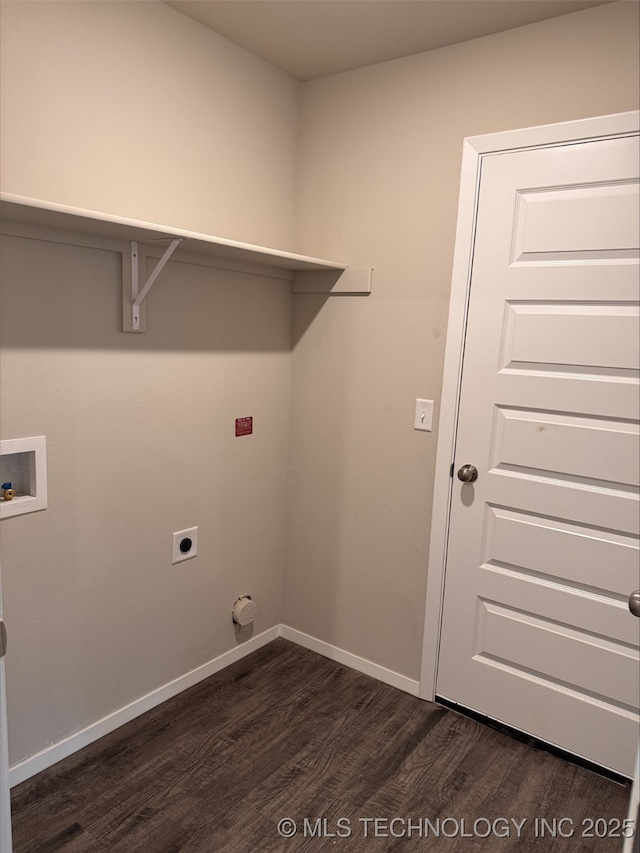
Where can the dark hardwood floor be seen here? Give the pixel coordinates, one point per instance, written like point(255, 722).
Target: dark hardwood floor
point(286, 735)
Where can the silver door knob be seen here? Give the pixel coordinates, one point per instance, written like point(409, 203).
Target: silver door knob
point(468, 474)
point(634, 602)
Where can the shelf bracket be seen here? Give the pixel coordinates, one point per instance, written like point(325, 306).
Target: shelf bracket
point(138, 294)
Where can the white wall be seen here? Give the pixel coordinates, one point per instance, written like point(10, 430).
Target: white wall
point(134, 109)
point(379, 175)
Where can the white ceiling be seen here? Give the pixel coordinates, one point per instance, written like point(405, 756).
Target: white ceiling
point(313, 38)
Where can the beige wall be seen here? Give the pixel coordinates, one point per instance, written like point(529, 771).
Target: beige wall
point(134, 109)
point(140, 443)
point(380, 169)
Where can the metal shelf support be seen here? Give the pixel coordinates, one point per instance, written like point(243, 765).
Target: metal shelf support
point(138, 295)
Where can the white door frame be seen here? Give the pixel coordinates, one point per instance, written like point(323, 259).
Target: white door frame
point(5, 806)
point(474, 149)
point(5, 803)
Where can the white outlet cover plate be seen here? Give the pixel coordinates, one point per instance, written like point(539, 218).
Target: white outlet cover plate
point(424, 415)
point(178, 556)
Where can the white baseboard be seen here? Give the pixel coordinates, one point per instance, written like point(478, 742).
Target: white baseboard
point(52, 754)
point(381, 673)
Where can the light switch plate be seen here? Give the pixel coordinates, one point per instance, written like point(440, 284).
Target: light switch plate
point(424, 415)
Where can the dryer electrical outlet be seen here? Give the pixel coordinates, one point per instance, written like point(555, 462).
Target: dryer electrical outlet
point(185, 545)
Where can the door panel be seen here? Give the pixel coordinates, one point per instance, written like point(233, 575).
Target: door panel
point(550, 443)
point(590, 612)
point(569, 553)
point(589, 218)
point(543, 547)
point(581, 336)
point(570, 658)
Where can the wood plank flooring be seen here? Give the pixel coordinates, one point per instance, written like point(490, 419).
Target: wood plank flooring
point(287, 735)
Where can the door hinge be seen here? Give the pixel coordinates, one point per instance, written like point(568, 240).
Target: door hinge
point(3, 639)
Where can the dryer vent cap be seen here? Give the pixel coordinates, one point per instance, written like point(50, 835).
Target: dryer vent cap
point(244, 611)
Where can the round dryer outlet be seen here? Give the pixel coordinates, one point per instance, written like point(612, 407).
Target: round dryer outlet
point(185, 545)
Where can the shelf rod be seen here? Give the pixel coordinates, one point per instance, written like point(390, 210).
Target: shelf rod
point(137, 297)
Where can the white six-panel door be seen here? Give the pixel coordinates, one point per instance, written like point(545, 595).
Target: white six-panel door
point(543, 546)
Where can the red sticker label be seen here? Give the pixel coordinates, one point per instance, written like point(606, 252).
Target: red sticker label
point(244, 426)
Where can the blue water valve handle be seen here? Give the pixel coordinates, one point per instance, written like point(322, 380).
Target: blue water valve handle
point(7, 492)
